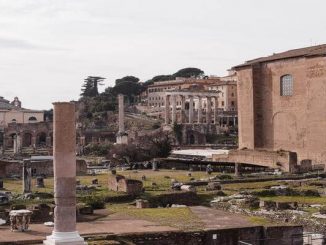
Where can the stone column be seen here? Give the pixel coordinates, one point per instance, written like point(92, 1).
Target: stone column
point(237, 169)
point(15, 144)
point(183, 109)
point(27, 176)
point(208, 110)
point(167, 109)
point(121, 114)
point(174, 109)
point(226, 96)
point(215, 109)
point(19, 144)
point(64, 165)
point(200, 112)
point(191, 109)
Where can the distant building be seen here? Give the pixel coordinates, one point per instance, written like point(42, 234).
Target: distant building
point(13, 112)
point(20, 127)
point(281, 103)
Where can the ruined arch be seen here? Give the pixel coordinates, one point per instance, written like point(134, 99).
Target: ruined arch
point(27, 139)
point(41, 139)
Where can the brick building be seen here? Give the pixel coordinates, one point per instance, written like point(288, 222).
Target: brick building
point(281, 103)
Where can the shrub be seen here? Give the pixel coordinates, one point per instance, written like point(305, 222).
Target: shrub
point(95, 201)
point(225, 177)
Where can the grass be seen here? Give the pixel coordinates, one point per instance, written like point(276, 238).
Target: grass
point(258, 220)
point(181, 218)
point(298, 199)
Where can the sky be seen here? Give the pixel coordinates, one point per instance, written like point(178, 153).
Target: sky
point(48, 47)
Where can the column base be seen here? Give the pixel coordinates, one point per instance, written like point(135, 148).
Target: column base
point(64, 238)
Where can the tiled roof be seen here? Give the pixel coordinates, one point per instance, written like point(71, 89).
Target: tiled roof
point(319, 50)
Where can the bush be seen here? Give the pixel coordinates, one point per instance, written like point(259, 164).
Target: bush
point(95, 201)
point(97, 149)
point(225, 177)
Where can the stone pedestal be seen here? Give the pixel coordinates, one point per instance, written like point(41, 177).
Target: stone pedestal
point(64, 165)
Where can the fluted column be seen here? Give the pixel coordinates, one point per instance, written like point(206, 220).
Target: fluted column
point(183, 108)
point(200, 112)
point(191, 109)
point(174, 109)
point(167, 109)
point(208, 110)
point(64, 166)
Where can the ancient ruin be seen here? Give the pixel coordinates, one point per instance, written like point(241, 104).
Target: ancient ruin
point(64, 177)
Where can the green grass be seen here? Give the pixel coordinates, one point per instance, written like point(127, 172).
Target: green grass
point(181, 218)
point(298, 199)
point(259, 220)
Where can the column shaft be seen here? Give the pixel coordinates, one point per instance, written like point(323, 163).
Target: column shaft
point(183, 107)
point(200, 113)
point(174, 109)
point(64, 167)
point(121, 113)
point(208, 110)
point(191, 109)
point(167, 109)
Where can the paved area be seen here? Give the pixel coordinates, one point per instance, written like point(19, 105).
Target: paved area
point(216, 219)
point(120, 224)
point(111, 224)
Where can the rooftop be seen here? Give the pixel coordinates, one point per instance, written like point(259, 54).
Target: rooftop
point(319, 50)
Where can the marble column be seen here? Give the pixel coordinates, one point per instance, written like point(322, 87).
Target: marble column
point(174, 109)
point(27, 176)
point(200, 112)
point(167, 109)
point(15, 144)
point(191, 109)
point(64, 165)
point(208, 110)
point(19, 144)
point(183, 109)
point(121, 113)
point(215, 110)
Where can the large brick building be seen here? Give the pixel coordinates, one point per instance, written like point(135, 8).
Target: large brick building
point(282, 103)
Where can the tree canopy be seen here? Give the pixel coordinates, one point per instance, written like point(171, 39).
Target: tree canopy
point(127, 79)
point(90, 86)
point(189, 72)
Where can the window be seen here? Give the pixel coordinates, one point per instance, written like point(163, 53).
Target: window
point(222, 103)
point(286, 85)
point(232, 103)
point(32, 119)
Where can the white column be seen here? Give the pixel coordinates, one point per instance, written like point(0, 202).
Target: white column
point(215, 109)
point(121, 113)
point(167, 109)
point(174, 109)
point(183, 107)
point(191, 108)
point(208, 110)
point(200, 113)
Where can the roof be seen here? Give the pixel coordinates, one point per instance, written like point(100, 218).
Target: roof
point(319, 50)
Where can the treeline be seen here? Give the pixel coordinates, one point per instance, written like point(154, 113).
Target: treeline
point(130, 86)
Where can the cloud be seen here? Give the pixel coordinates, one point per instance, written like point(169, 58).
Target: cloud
point(16, 43)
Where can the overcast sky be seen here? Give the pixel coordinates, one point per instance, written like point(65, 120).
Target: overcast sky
point(47, 47)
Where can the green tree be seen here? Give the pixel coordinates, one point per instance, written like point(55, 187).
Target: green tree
point(189, 72)
point(90, 86)
point(127, 79)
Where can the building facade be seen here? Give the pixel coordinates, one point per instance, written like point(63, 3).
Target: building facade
point(281, 103)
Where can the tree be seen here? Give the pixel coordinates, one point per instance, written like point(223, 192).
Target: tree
point(127, 79)
point(189, 72)
point(90, 86)
point(130, 89)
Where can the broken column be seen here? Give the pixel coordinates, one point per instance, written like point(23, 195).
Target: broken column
point(64, 165)
point(122, 136)
point(27, 176)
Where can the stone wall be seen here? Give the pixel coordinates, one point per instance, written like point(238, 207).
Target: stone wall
point(281, 235)
point(11, 168)
point(291, 123)
point(121, 184)
point(286, 161)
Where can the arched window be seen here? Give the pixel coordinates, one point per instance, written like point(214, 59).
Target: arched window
point(286, 85)
point(14, 120)
point(32, 119)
